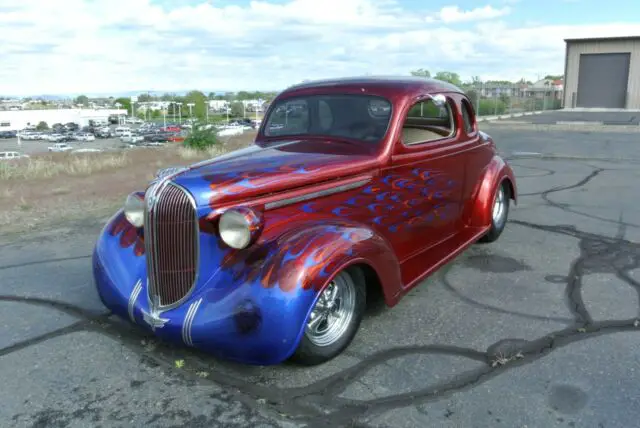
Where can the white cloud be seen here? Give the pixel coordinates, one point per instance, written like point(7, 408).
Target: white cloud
point(121, 45)
point(453, 14)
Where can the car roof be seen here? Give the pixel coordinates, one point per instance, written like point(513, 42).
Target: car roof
point(401, 83)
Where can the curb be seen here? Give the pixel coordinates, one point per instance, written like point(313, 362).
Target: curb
point(559, 156)
point(579, 122)
point(508, 116)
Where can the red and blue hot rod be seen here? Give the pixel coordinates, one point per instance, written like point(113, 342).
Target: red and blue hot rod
point(352, 186)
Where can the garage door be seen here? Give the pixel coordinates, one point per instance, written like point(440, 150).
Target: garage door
point(602, 80)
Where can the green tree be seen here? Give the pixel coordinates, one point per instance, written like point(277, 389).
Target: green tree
point(143, 98)
point(554, 76)
point(200, 101)
point(421, 72)
point(449, 76)
point(125, 103)
point(42, 126)
point(82, 100)
point(237, 109)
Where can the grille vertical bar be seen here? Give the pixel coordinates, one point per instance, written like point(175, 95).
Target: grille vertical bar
point(172, 244)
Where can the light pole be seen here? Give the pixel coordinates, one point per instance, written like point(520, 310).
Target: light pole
point(190, 105)
point(180, 114)
point(118, 105)
point(258, 107)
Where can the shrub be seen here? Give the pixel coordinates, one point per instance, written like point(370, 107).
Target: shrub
point(201, 138)
point(491, 106)
point(42, 126)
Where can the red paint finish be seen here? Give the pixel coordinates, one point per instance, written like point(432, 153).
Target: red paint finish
point(129, 234)
point(415, 207)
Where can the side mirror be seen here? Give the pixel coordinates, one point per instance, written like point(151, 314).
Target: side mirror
point(439, 100)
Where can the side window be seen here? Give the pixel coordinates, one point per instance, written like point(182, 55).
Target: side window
point(467, 118)
point(427, 121)
point(289, 118)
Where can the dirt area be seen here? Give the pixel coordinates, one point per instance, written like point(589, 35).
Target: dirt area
point(51, 188)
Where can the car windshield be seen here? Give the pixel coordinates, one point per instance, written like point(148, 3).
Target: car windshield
point(359, 117)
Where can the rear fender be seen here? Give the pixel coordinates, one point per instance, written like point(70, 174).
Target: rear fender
point(497, 172)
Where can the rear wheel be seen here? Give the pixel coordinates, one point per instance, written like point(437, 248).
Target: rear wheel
point(334, 319)
point(499, 213)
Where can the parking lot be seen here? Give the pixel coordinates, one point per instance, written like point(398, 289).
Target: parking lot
point(539, 329)
point(31, 147)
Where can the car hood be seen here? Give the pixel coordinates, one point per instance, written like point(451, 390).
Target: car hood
point(259, 170)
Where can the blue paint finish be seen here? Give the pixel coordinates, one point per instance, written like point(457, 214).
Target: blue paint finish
point(215, 328)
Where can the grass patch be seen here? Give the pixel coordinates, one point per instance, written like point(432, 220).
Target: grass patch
point(67, 164)
point(189, 153)
point(64, 188)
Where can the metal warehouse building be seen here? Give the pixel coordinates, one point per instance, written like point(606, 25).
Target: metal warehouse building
point(602, 73)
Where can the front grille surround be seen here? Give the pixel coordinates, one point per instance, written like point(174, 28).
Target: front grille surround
point(172, 244)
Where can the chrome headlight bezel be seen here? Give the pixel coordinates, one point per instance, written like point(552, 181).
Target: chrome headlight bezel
point(239, 227)
point(134, 209)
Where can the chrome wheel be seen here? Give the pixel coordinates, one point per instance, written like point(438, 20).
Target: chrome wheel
point(333, 312)
point(499, 207)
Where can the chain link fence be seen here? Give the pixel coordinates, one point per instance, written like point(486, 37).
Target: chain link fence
point(492, 100)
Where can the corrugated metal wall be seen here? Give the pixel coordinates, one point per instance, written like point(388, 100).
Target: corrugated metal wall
point(574, 49)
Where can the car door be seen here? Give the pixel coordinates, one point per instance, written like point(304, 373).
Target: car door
point(428, 173)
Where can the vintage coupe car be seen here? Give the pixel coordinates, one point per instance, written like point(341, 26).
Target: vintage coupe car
point(353, 188)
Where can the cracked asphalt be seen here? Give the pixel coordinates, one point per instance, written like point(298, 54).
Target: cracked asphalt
point(539, 329)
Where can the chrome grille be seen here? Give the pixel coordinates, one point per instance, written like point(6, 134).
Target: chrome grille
point(171, 237)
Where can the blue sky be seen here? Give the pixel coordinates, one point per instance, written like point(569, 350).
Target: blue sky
point(111, 46)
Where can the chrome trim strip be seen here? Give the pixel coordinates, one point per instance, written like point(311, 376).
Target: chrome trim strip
point(132, 299)
point(317, 194)
point(188, 322)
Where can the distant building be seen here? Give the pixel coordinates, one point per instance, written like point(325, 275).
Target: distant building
point(20, 119)
point(602, 72)
point(218, 106)
point(545, 88)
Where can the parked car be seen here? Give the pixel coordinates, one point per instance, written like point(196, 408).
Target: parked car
point(160, 137)
point(5, 156)
point(131, 138)
point(269, 252)
point(60, 147)
point(103, 133)
point(85, 137)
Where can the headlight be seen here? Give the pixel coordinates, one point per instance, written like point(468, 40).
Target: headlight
point(239, 227)
point(134, 210)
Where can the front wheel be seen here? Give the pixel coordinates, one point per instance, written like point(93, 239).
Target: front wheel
point(499, 213)
point(334, 319)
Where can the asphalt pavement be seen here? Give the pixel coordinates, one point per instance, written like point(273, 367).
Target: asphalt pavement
point(539, 329)
point(603, 117)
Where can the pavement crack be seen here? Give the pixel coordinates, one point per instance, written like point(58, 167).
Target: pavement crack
point(39, 262)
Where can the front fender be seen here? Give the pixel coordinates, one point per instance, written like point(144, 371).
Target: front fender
point(249, 305)
point(496, 172)
point(300, 263)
